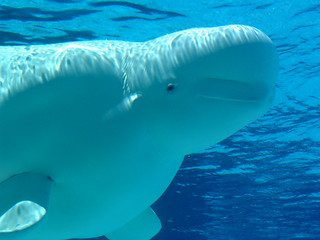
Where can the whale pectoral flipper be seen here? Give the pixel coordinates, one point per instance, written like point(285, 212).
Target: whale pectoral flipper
point(143, 227)
point(23, 201)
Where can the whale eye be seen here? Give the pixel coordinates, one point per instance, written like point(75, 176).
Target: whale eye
point(171, 87)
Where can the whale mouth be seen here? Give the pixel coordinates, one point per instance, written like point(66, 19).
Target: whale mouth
point(231, 90)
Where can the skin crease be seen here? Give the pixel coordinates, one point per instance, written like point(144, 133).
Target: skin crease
point(110, 122)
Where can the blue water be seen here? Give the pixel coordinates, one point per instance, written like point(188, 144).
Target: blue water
point(261, 183)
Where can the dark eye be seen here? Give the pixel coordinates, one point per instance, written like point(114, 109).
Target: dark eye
point(171, 87)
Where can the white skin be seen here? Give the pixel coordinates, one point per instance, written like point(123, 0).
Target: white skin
point(110, 122)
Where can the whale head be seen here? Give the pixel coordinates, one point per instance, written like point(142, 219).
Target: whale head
point(204, 84)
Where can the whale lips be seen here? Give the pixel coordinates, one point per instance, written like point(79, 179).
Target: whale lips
point(230, 90)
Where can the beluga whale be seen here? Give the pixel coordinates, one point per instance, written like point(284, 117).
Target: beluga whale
point(92, 133)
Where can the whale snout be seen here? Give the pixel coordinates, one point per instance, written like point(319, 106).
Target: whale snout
point(244, 71)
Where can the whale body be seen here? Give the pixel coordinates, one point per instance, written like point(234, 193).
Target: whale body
point(92, 133)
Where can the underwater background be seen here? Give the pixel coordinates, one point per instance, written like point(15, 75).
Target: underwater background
point(264, 181)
